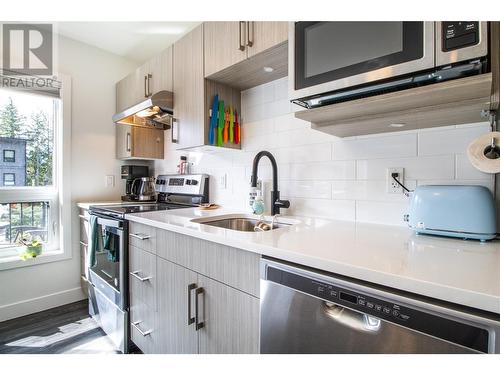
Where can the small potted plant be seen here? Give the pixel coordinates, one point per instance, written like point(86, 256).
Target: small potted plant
point(31, 246)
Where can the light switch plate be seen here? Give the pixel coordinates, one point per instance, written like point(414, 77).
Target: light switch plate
point(109, 181)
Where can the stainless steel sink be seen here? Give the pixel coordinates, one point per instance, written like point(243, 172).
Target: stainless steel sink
point(245, 223)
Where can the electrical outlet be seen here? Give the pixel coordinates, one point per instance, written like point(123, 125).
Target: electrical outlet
point(109, 181)
point(392, 186)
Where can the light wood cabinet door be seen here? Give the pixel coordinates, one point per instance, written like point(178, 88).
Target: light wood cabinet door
point(230, 318)
point(176, 334)
point(224, 45)
point(160, 68)
point(147, 143)
point(126, 92)
point(123, 141)
point(189, 89)
point(263, 35)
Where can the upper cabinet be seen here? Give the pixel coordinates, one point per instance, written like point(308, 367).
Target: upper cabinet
point(225, 45)
point(153, 76)
point(193, 94)
point(236, 53)
point(189, 107)
point(262, 35)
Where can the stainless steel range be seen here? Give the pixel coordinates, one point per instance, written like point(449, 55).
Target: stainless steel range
point(108, 250)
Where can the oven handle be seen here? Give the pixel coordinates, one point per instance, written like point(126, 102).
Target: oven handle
point(110, 223)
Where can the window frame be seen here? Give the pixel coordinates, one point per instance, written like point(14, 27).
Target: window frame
point(9, 160)
point(58, 194)
point(13, 178)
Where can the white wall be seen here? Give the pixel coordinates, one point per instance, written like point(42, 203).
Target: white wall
point(93, 73)
point(332, 177)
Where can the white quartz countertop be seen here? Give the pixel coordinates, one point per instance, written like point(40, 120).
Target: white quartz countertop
point(454, 270)
point(86, 205)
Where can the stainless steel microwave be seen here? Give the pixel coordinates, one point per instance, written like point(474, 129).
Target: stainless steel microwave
point(338, 61)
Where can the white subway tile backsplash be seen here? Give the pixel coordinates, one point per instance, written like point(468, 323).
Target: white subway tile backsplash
point(466, 171)
point(324, 208)
point(390, 213)
point(377, 147)
point(302, 154)
point(368, 190)
point(449, 141)
point(428, 167)
point(306, 189)
point(329, 177)
point(329, 170)
point(289, 122)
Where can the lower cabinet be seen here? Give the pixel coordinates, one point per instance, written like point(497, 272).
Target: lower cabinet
point(190, 312)
point(230, 319)
point(177, 335)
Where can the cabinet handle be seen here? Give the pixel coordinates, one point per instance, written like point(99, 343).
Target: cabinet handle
point(142, 279)
point(242, 40)
point(191, 287)
point(198, 324)
point(149, 76)
point(174, 134)
point(128, 142)
point(250, 40)
point(140, 236)
point(144, 333)
point(145, 86)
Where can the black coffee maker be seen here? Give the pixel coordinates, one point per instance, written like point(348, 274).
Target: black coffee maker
point(129, 174)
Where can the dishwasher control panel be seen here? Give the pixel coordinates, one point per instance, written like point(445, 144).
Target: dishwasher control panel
point(476, 338)
point(376, 307)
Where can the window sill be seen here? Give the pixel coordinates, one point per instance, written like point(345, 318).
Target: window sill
point(48, 257)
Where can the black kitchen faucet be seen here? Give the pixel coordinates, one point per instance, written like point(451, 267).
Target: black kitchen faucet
point(276, 202)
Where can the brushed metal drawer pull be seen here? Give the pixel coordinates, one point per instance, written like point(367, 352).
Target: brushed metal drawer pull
point(198, 324)
point(142, 279)
point(144, 333)
point(191, 287)
point(140, 236)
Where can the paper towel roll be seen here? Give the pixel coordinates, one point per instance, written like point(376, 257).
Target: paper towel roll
point(476, 153)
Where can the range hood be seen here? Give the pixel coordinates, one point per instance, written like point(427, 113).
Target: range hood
point(155, 111)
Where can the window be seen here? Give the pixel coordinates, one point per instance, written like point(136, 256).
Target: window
point(31, 196)
point(9, 156)
point(9, 179)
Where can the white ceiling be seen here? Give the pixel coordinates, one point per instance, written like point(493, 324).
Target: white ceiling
point(137, 41)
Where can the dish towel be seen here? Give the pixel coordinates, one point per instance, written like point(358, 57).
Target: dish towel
point(111, 243)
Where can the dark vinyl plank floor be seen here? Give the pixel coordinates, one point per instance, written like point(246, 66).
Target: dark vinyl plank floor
point(64, 329)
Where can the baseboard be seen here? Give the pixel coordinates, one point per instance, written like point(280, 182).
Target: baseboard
point(30, 306)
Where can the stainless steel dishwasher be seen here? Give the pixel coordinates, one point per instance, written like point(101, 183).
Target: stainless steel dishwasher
point(304, 311)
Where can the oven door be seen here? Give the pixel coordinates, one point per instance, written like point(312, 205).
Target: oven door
point(109, 272)
point(329, 56)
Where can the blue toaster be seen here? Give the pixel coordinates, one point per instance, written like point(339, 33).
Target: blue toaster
point(464, 211)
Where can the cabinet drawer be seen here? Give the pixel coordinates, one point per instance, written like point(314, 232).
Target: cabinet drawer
point(142, 236)
point(143, 327)
point(142, 277)
point(231, 266)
